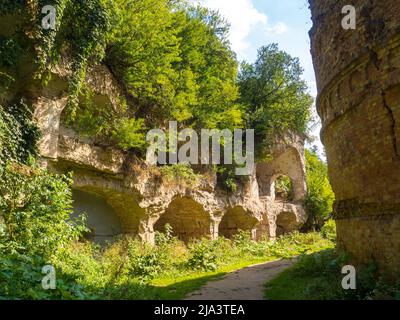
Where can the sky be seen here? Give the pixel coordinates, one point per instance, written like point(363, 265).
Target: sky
point(255, 23)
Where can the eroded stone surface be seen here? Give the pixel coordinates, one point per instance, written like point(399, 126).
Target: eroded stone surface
point(358, 77)
point(143, 200)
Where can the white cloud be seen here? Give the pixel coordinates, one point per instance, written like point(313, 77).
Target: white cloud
point(278, 29)
point(244, 18)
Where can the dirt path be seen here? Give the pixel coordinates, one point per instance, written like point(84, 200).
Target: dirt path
point(244, 284)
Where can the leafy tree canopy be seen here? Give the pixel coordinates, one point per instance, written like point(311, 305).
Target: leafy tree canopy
point(274, 95)
point(320, 196)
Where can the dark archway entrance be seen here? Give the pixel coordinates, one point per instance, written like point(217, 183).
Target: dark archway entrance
point(187, 218)
point(286, 222)
point(102, 220)
point(236, 219)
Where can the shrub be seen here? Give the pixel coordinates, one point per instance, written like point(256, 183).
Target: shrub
point(166, 237)
point(36, 208)
point(21, 277)
point(328, 230)
point(129, 133)
point(297, 244)
point(243, 241)
point(180, 172)
point(320, 196)
point(283, 188)
point(18, 134)
point(318, 276)
point(203, 255)
point(145, 262)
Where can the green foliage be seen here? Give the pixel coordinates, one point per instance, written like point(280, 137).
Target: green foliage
point(226, 177)
point(35, 208)
point(145, 262)
point(18, 135)
point(129, 269)
point(21, 278)
point(175, 61)
point(130, 133)
point(203, 255)
point(318, 277)
point(328, 230)
point(274, 95)
point(34, 213)
point(10, 51)
point(320, 196)
point(166, 237)
point(284, 188)
point(8, 6)
point(180, 172)
point(82, 28)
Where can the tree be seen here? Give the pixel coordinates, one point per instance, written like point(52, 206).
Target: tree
point(320, 196)
point(175, 62)
point(274, 95)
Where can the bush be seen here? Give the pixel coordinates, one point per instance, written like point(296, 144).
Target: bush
point(166, 237)
point(21, 277)
point(180, 172)
point(130, 133)
point(319, 276)
point(145, 263)
point(18, 135)
point(203, 255)
point(320, 197)
point(243, 241)
point(36, 208)
point(328, 230)
point(296, 243)
point(284, 188)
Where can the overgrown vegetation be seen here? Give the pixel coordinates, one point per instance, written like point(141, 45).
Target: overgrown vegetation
point(129, 269)
point(173, 62)
point(320, 195)
point(274, 95)
point(318, 277)
point(35, 209)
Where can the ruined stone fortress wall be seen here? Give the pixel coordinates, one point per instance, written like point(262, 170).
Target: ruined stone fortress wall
point(358, 77)
point(121, 194)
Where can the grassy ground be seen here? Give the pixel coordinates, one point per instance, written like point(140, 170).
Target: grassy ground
point(171, 269)
point(318, 276)
point(177, 287)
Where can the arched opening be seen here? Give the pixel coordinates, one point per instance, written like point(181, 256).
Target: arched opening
point(286, 222)
point(102, 220)
point(282, 188)
point(187, 218)
point(285, 170)
point(236, 219)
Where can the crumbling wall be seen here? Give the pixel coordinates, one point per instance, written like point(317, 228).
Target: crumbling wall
point(358, 77)
point(142, 200)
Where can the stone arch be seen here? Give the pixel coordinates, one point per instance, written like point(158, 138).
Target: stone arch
point(289, 162)
point(102, 219)
point(235, 219)
point(111, 193)
point(286, 222)
point(281, 195)
point(187, 218)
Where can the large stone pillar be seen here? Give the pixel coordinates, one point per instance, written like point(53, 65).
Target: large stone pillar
point(358, 77)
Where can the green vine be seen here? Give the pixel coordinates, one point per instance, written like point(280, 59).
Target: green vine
point(18, 134)
point(81, 29)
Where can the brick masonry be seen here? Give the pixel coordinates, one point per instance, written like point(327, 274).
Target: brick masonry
point(358, 78)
